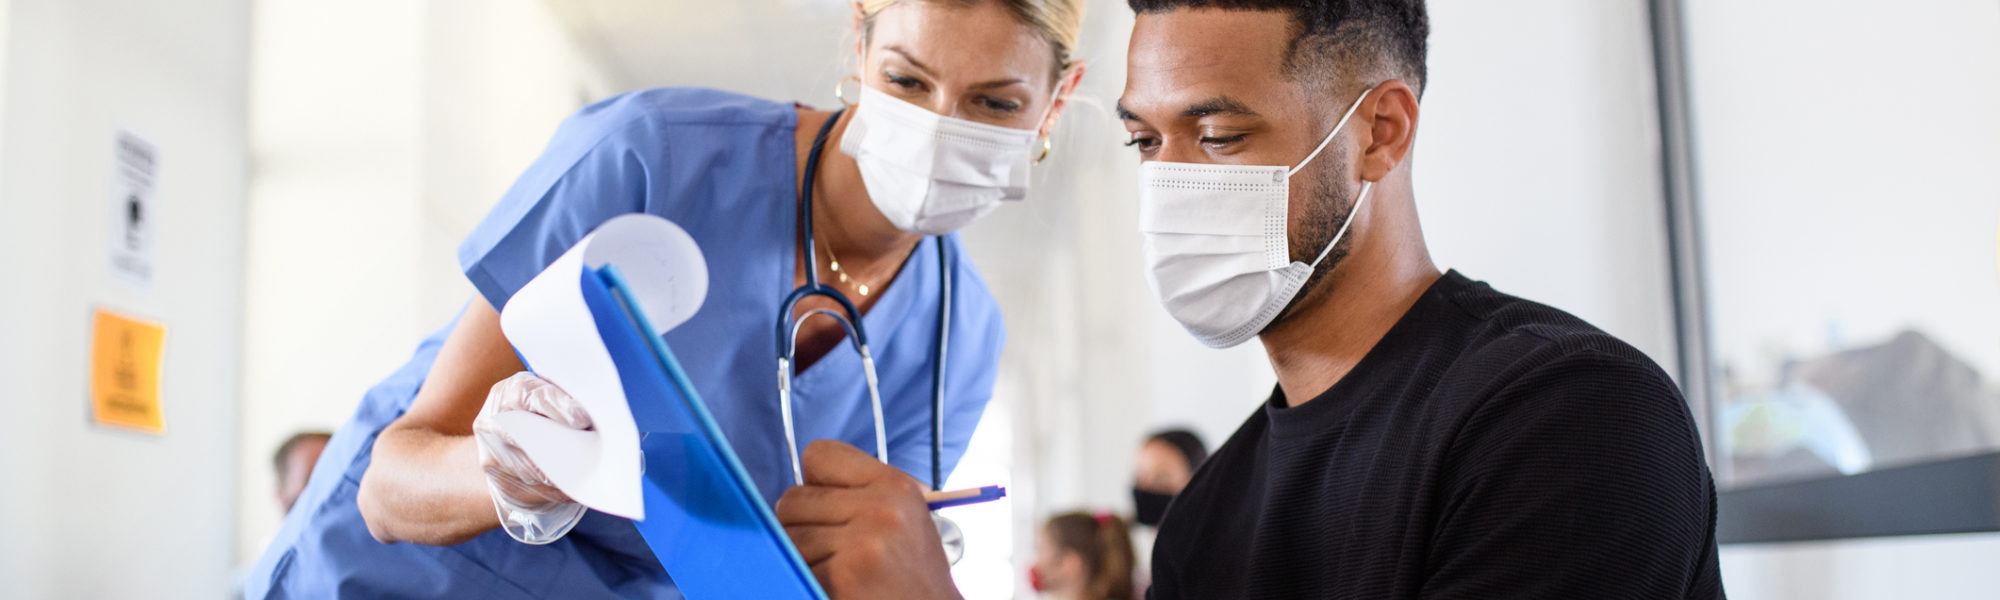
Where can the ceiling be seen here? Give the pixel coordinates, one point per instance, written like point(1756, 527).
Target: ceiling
point(781, 49)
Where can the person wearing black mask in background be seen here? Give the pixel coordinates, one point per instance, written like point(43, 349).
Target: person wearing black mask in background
point(1163, 466)
point(1165, 462)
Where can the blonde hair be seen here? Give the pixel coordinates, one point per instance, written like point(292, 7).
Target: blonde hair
point(1060, 22)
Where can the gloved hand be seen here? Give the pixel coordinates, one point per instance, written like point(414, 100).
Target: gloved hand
point(531, 509)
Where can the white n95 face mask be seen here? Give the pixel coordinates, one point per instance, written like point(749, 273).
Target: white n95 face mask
point(929, 173)
point(1216, 249)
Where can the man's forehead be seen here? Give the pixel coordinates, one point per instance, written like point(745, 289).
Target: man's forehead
point(1186, 55)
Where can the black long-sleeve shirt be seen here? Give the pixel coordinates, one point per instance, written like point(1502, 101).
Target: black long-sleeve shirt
point(1486, 447)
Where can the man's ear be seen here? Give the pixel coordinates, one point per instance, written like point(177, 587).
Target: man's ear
point(1389, 120)
point(1064, 88)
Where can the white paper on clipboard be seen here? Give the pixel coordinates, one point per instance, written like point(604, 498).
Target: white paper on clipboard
point(552, 328)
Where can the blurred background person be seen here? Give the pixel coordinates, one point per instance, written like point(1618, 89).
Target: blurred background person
point(294, 464)
point(1083, 556)
point(1162, 468)
point(1166, 461)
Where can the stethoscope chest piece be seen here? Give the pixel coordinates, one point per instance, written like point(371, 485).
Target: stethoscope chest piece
point(953, 538)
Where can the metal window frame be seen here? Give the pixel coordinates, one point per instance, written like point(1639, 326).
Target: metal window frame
point(1957, 495)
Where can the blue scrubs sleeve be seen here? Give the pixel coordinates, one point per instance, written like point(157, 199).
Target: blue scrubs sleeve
point(599, 165)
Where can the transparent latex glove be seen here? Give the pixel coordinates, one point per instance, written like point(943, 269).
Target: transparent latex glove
point(531, 509)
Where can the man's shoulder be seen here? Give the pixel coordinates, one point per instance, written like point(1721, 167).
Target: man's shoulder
point(1522, 347)
point(1511, 333)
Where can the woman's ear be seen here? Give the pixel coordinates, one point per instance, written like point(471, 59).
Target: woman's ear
point(1391, 118)
point(1064, 88)
point(859, 28)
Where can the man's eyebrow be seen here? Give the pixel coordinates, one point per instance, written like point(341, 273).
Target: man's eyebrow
point(1125, 114)
point(1219, 105)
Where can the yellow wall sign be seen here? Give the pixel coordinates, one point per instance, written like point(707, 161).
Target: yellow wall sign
point(125, 371)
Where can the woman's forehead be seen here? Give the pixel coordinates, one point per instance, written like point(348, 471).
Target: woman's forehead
point(974, 42)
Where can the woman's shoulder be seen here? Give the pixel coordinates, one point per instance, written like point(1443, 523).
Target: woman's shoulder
point(692, 106)
point(653, 116)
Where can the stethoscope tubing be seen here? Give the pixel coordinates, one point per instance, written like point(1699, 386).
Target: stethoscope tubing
point(849, 318)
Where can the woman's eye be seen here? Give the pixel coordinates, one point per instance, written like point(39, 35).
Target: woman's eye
point(904, 81)
point(999, 105)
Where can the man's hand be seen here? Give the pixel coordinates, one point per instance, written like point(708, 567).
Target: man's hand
point(864, 527)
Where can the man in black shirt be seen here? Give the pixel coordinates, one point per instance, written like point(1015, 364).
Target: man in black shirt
point(1429, 437)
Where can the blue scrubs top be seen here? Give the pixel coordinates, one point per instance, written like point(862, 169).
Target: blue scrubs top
point(722, 166)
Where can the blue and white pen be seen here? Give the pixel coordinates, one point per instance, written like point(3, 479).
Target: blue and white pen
point(950, 498)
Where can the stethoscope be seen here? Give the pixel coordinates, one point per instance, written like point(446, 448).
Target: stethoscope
point(850, 321)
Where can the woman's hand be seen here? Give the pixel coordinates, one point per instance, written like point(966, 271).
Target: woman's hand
point(531, 509)
point(864, 527)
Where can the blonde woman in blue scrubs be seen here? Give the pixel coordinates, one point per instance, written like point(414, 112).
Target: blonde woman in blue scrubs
point(956, 99)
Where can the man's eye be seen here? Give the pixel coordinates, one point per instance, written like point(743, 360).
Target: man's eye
point(1222, 140)
point(1143, 143)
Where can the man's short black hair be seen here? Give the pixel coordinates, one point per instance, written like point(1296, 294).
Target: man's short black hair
point(1377, 38)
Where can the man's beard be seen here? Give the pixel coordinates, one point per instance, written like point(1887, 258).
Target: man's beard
point(1326, 213)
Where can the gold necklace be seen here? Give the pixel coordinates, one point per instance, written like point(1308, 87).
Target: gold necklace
point(833, 263)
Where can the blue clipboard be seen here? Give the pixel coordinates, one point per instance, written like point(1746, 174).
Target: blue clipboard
point(705, 520)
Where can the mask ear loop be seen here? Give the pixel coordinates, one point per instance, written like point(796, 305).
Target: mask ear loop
point(785, 391)
point(1330, 135)
point(1366, 186)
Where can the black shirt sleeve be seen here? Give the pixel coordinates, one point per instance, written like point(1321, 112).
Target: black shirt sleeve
point(1582, 478)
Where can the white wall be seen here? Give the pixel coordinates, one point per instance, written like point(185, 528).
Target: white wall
point(1933, 566)
point(91, 512)
point(382, 130)
point(1537, 159)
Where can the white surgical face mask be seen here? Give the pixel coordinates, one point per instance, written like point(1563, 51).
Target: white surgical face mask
point(1216, 249)
point(929, 173)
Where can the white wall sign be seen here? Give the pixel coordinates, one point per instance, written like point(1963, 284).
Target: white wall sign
point(132, 208)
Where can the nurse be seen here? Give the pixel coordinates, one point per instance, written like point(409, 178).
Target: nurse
point(409, 497)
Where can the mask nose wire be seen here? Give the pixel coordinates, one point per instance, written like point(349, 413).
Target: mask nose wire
point(1331, 134)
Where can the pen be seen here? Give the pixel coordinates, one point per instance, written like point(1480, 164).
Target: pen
point(950, 498)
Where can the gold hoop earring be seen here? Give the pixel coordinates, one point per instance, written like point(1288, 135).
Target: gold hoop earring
point(1047, 147)
point(840, 91)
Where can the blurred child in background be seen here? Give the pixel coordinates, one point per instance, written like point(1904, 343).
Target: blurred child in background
point(1083, 556)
